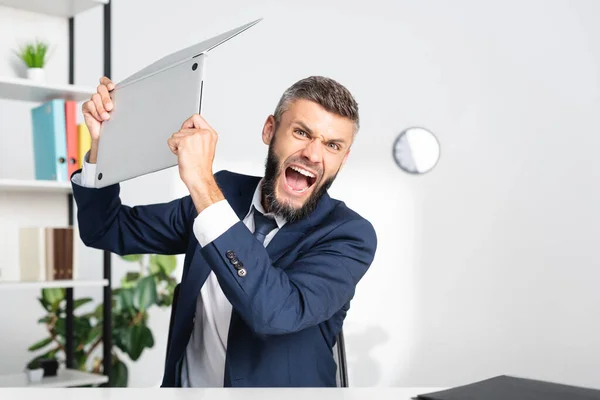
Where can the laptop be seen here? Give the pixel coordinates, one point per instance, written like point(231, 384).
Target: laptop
point(149, 106)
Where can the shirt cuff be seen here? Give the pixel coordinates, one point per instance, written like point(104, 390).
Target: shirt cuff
point(87, 175)
point(213, 221)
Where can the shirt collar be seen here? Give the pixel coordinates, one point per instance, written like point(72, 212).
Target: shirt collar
point(257, 203)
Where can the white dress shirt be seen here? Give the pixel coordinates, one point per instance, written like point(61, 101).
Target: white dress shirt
point(204, 359)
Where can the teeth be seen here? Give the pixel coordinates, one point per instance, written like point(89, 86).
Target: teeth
point(302, 171)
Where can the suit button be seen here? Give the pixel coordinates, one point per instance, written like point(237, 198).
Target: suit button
point(238, 265)
point(230, 254)
point(242, 272)
point(234, 261)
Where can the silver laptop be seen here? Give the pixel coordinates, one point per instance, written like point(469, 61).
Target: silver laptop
point(149, 106)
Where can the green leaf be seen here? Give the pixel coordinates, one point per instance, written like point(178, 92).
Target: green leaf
point(45, 319)
point(82, 328)
point(80, 358)
point(40, 344)
point(166, 263)
point(130, 280)
point(53, 296)
point(99, 312)
point(47, 306)
point(132, 257)
point(125, 301)
point(119, 374)
point(61, 327)
point(145, 293)
point(94, 334)
point(34, 55)
point(79, 302)
point(138, 337)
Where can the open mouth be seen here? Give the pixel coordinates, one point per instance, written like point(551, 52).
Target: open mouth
point(298, 179)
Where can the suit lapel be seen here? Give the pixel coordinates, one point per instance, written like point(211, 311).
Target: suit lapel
point(240, 200)
point(292, 233)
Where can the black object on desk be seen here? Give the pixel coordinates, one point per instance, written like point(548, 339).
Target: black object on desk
point(512, 388)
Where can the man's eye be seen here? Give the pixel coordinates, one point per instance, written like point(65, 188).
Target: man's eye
point(334, 146)
point(301, 132)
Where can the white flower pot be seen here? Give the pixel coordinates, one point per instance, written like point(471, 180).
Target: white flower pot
point(35, 375)
point(36, 74)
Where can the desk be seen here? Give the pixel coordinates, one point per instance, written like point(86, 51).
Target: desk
point(216, 394)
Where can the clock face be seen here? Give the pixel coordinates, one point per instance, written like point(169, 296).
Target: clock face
point(416, 150)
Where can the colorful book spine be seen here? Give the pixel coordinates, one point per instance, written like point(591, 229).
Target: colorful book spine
point(47, 253)
point(72, 137)
point(50, 141)
point(85, 142)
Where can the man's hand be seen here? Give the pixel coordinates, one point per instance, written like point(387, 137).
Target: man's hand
point(96, 111)
point(194, 145)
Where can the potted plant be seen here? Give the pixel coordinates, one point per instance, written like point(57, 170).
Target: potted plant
point(150, 285)
point(34, 370)
point(35, 56)
point(50, 366)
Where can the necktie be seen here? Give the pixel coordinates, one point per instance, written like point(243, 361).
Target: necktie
point(262, 226)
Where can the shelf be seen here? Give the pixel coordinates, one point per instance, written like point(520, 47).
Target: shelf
point(57, 8)
point(16, 285)
point(28, 90)
point(32, 185)
point(64, 378)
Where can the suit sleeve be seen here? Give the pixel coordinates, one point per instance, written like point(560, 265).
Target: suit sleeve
point(105, 223)
point(274, 301)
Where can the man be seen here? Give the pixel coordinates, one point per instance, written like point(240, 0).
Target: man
point(271, 263)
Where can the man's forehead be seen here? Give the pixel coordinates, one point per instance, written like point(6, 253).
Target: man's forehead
point(318, 120)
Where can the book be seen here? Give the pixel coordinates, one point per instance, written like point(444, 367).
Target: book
point(50, 141)
point(85, 142)
point(47, 253)
point(72, 134)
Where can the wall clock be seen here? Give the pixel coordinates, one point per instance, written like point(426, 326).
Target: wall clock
point(416, 150)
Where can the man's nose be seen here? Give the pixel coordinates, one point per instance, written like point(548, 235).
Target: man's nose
point(313, 151)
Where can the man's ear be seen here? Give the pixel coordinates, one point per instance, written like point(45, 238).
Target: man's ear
point(268, 130)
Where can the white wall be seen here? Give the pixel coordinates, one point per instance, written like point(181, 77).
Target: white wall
point(486, 265)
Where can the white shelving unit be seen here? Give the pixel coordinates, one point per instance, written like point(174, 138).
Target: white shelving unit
point(18, 89)
point(63, 378)
point(21, 185)
point(52, 284)
point(26, 90)
point(57, 8)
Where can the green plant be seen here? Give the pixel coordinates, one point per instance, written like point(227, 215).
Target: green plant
point(34, 55)
point(34, 364)
point(152, 285)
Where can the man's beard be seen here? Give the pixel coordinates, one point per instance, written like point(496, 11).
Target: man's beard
point(286, 210)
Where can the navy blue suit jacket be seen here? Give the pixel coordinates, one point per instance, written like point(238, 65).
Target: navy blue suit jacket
point(287, 309)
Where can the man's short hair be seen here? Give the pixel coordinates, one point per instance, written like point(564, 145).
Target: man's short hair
point(326, 92)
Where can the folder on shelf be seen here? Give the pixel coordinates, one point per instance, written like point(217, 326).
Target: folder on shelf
point(32, 254)
point(49, 141)
point(47, 253)
point(84, 144)
point(72, 137)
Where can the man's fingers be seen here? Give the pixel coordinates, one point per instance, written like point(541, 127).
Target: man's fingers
point(100, 107)
point(184, 132)
point(190, 131)
point(196, 121)
point(107, 82)
point(106, 100)
point(173, 144)
point(90, 108)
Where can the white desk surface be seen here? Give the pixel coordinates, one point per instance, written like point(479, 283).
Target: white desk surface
point(216, 394)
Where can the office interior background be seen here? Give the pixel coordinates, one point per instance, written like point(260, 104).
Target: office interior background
point(487, 265)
